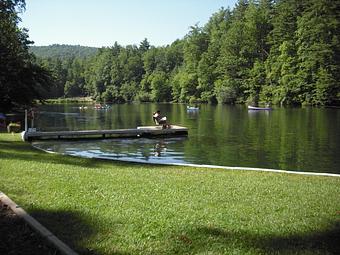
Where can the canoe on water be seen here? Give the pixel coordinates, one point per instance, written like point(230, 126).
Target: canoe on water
point(258, 108)
point(191, 108)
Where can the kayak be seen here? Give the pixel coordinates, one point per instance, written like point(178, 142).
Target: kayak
point(258, 108)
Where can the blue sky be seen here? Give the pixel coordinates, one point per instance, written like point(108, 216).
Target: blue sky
point(102, 22)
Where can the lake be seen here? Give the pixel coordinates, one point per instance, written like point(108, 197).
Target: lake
point(297, 139)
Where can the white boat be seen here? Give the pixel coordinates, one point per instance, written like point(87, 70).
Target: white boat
point(258, 108)
point(191, 108)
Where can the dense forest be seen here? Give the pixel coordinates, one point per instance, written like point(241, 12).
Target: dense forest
point(280, 52)
point(283, 52)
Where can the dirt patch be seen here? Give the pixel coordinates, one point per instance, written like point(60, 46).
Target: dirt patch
point(18, 238)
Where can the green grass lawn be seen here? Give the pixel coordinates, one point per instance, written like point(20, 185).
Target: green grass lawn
point(106, 207)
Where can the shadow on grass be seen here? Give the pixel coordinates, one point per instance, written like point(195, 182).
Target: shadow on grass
point(17, 238)
point(24, 151)
point(18, 150)
point(210, 239)
point(73, 228)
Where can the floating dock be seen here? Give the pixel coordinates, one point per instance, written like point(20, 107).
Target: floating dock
point(143, 131)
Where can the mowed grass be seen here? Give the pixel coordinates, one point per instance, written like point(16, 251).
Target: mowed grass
point(105, 207)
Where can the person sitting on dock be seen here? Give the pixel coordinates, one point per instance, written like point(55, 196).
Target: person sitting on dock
point(160, 120)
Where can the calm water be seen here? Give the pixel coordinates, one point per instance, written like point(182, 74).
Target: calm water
point(304, 139)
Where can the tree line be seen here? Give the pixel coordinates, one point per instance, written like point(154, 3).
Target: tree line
point(63, 51)
point(262, 51)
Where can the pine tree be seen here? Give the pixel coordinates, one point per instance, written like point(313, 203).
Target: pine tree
point(318, 41)
point(282, 42)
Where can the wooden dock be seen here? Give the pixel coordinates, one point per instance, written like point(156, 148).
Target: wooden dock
point(143, 131)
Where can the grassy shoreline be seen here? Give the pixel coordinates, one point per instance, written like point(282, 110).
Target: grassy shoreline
point(101, 207)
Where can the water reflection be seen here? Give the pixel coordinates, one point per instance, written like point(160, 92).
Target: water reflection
point(140, 150)
point(192, 114)
point(303, 139)
point(159, 147)
point(258, 112)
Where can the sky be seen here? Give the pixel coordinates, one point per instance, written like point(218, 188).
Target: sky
point(102, 22)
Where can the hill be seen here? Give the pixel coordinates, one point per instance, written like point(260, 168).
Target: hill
point(63, 51)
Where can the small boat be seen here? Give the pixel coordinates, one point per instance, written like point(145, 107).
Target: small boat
point(101, 107)
point(259, 108)
point(192, 108)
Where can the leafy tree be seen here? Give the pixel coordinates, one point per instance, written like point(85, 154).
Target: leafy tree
point(207, 68)
point(160, 89)
point(71, 89)
point(59, 74)
point(327, 88)
point(318, 51)
point(174, 55)
point(226, 92)
point(256, 82)
point(21, 79)
point(289, 86)
point(195, 44)
point(112, 95)
point(128, 91)
point(233, 63)
point(282, 42)
point(101, 71)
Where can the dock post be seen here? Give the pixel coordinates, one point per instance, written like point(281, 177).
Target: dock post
point(26, 120)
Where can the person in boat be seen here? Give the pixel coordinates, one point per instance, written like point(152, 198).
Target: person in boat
point(160, 120)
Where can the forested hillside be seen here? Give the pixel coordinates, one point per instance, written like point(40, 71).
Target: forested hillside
point(63, 51)
point(280, 52)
